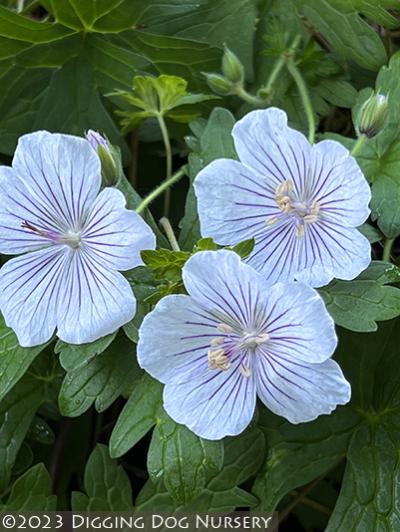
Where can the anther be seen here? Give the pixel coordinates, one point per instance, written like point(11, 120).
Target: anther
point(245, 371)
point(217, 359)
point(224, 327)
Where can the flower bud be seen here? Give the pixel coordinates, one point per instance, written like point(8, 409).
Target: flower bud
point(372, 116)
point(107, 157)
point(232, 68)
point(219, 84)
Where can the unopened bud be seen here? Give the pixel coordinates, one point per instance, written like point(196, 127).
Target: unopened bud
point(372, 116)
point(232, 68)
point(107, 157)
point(219, 84)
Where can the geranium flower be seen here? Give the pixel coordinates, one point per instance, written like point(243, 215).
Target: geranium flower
point(73, 241)
point(300, 203)
point(235, 337)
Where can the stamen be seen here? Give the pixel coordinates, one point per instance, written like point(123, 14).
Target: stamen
point(217, 359)
point(217, 341)
point(300, 231)
point(271, 220)
point(252, 340)
point(224, 327)
point(245, 371)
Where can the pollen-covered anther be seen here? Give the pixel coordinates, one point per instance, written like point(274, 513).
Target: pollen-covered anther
point(245, 371)
point(224, 327)
point(217, 359)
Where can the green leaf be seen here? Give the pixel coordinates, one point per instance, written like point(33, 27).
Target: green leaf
point(214, 141)
point(357, 305)
point(30, 492)
point(14, 359)
point(243, 456)
point(297, 454)
point(347, 33)
point(138, 416)
point(183, 460)
point(243, 249)
point(368, 499)
point(73, 356)
point(106, 485)
point(101, 380)
point(92, 47)
point(152, 97)
point(216, 22)
point(17, 411)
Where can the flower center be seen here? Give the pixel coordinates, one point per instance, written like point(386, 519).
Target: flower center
point(223, 347)
point(301, 210)
point(71, 239)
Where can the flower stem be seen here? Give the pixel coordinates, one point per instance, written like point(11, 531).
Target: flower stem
point(250, 98)
point(302, 88)
point(358, 145)
point(168, 155)
point(166, 225)
point(165, 185)
point(279, 64)
point(387, 249)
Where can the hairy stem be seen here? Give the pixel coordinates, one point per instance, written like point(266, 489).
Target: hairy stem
point(166, 225)
point(250, 98)
point(165, 185)
point(302, 88)
point(279, 64)
point(168, 155)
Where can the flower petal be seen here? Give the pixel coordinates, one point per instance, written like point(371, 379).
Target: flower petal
point(234, 202)
point(338, 184)
point(212, 403)
point(300, 392)
point(95, 301)
point(115, 234)
point(298, 324)
point(62, 173)
point(174, 333)
point(332, 251)
point(220, 282)
point(265, 143)
point(17, 205)
point(29, 292)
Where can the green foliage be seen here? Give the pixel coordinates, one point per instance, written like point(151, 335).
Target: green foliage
point(30, 493)
point(150, 97)
point(359, 304)
point(138, 416)
point(183, 460)
point(243, 456)
point(100, 379)
point(106, 485)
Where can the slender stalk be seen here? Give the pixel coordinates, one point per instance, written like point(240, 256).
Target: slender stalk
point(279, 64)
point(249, 98)
point(166, 225)
point(358, 145)
point(165, 185)
point(387, 249)
point(302, 88)
point(168, 155)
point(298, 498)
